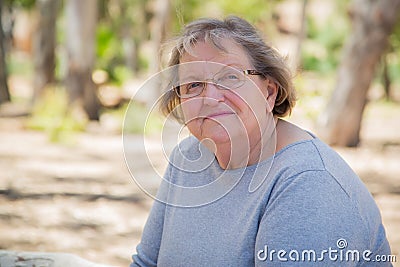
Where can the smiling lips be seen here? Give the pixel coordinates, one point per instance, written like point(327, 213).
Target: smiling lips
point(218, 114)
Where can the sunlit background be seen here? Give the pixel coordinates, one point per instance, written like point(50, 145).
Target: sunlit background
point(68, 71)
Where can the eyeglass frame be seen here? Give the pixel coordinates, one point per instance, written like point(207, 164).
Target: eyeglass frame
point(245, 72)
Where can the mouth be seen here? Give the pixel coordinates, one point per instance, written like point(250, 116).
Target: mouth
point(218, 114)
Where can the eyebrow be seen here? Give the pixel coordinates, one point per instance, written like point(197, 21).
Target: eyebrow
point(191, 79)
point(235, 66)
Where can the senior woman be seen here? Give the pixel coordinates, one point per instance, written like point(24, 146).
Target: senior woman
point(248, 188)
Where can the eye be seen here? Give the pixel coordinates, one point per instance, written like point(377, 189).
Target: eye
point(230, 76)
point(193, 85)
point(229, 79)
point(233, 76)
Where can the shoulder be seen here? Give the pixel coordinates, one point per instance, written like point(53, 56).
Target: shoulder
point(298, 157)
point(315, 158)
point(303, 151)
point(313, 172)
point(316, 185)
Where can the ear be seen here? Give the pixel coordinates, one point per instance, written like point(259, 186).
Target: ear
point(271, 94)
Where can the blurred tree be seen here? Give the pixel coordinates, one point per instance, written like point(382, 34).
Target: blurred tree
point(373, 21)
point(44, 44)
point(81, 17)
point(122, 32)
point(300, 38)
point(133, 31)
point(8, 21)
point(128, 42)
point(185, 11)
point(390, 71)
point(386, 81)
point(326, 33)
point(4, 92)
point(159, 25)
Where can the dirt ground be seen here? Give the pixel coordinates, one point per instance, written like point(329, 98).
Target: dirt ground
point(80, 198)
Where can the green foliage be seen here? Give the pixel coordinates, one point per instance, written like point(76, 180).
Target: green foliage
point(313, 91)
point(321, 50)
point(395, 36)
point(139, 121)
point(121, 73)
point(28, 4)
point(19, 64)
point(108, 50)
point(394, 53)
point(110, 55)
point(120, 21)
point(394, 72)
point(252, 10)
point(53, 115)
point(184, 12)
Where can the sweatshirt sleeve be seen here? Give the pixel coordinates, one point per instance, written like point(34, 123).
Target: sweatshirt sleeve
point(310, 220)
point(148, 248)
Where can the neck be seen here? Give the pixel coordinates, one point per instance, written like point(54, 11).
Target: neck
point(241, 152)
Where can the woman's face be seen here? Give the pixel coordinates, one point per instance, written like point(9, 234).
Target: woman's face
point(225, 116)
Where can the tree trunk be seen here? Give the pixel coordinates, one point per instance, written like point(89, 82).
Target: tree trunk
point(44, 44)
point(373, 21)
point(81, 33)
point(158, 26)
point(128, 31)
point(386, 81)
point(300, 38)
point(4, 92)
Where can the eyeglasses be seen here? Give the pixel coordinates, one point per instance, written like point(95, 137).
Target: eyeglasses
point(226, 79)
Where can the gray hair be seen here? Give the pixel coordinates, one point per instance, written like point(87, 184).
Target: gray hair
point(264, 58)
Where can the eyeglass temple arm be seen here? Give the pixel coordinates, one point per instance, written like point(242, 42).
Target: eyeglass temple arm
point(252, 72)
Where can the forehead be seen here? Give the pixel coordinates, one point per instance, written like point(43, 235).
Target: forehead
point(207, 51)
point(210, 58)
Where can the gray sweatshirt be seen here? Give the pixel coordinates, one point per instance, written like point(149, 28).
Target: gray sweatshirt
point(302, 207)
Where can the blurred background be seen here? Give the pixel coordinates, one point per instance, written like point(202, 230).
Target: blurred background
point(68, 71)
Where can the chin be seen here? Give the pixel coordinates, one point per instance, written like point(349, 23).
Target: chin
point(217, 135)
point(221, 137)
point(215, 131)
point(218, 139)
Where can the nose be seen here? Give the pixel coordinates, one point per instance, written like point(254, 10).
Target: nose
point(212, 94)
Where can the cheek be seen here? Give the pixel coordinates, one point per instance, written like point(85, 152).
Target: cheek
point(236, 102)
point(252, 109)
point(248, 105)
point(191, 109)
